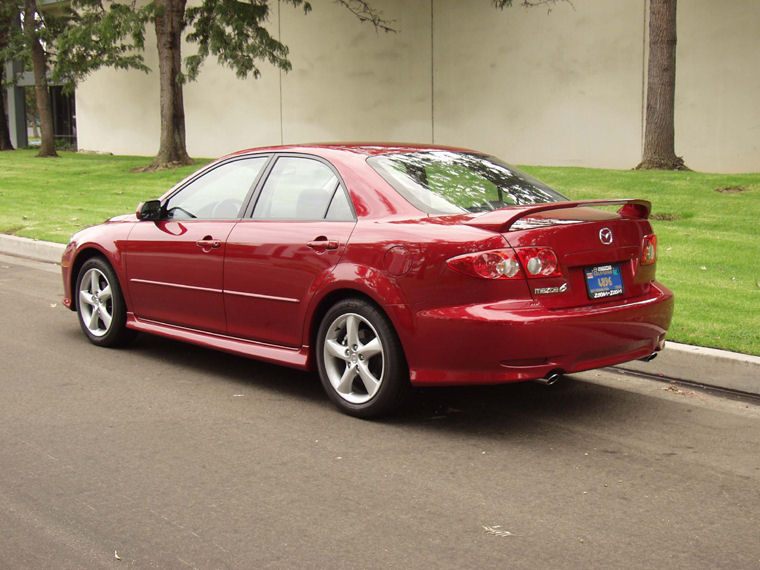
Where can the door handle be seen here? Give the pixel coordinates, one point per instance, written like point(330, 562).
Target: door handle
point(322, 243)
point(209, 243)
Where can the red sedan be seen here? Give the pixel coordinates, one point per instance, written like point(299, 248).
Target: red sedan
point(381, 266)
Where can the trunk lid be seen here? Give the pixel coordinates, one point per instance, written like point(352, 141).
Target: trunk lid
point(587, 241)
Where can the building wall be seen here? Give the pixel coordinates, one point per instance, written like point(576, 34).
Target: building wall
point(561, 88)
point(718, 85)
point(350, 82)
point(117, 111)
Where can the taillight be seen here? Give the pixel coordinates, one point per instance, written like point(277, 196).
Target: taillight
point(649, 250)
point(539, 261)
point(492, 264)
point(504, 264)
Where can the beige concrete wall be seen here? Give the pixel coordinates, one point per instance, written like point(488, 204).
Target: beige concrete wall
point(563, 88)
point(224, 114)
point(352, 83)
point(560, 88)
point(348, 82)
point(718, 85)
point(118, 111)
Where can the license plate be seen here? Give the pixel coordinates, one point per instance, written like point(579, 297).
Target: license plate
point(603, 281)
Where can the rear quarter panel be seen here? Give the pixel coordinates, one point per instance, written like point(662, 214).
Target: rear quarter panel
point(401, 265)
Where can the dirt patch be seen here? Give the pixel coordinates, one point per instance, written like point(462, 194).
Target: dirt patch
point(731, 190)
point(155, 167)
point(665, 217)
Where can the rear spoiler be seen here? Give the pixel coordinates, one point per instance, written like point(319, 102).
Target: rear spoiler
point(503, 219)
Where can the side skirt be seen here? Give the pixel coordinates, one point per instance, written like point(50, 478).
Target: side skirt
point(293, 357)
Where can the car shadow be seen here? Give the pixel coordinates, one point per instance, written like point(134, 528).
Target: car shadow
point(472, 409)
point(231, 368)
point(520, 404)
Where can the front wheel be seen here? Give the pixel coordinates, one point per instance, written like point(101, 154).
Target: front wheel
point(360, 359)
point(100, 304)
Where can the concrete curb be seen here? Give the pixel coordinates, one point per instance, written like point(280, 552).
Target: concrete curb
point(31, 248)
point(706, 366)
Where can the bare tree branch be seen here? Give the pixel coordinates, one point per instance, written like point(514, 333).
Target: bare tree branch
point(366, 13)
point(548, 4)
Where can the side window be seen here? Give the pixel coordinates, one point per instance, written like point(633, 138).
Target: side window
point(218, 194)
point(298, 189)
point(340, 208)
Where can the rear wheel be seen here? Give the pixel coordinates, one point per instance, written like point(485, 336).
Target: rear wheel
point(360, 359)
point(100, 304)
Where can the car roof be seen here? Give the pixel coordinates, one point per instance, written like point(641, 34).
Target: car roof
point(361, 180)
point(360, 148)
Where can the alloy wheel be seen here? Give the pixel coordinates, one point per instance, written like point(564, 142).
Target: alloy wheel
point(354, 358)
point(95, 302)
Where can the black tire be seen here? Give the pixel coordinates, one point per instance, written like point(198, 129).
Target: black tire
point(366, 378)
point(103, 318)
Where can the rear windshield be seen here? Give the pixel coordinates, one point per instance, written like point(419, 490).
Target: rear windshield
point(447, 182)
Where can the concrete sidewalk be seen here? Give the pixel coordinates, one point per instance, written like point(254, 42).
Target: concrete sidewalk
point(694, 364)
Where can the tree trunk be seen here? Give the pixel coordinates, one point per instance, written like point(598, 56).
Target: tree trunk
point(659, 135)
point(5, 138)
point(5, 135)
point(169, 23)
point(39, 65)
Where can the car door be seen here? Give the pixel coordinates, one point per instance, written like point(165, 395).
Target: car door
point(175, 265)
point(275, 260)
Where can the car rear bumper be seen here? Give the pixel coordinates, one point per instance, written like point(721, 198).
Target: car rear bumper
point(497, 343)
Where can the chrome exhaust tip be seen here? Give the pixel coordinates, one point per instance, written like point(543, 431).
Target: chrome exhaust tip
point(550, 378)
point(649, 358)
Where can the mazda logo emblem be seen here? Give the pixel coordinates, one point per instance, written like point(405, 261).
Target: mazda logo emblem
point(605, 236)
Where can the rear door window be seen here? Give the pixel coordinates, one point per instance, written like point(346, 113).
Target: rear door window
point(300, 188)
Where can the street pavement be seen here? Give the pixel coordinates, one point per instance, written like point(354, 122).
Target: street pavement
point(166, 455)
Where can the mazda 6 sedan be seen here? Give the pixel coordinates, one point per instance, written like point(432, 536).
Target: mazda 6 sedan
point(381, 267)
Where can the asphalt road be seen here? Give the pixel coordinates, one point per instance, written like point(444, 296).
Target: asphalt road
point(172, 456)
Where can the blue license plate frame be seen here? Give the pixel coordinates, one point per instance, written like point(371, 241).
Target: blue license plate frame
point(604, 281)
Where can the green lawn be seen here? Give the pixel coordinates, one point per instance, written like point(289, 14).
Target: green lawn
point(709, 241)
point(51, 198)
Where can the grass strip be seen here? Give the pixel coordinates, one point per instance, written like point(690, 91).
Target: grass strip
point(51, 198)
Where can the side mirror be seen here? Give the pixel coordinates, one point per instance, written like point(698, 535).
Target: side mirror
point(149, 210)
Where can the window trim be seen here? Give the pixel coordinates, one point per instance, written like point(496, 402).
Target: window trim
point(213, 166)
point(264, 176)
